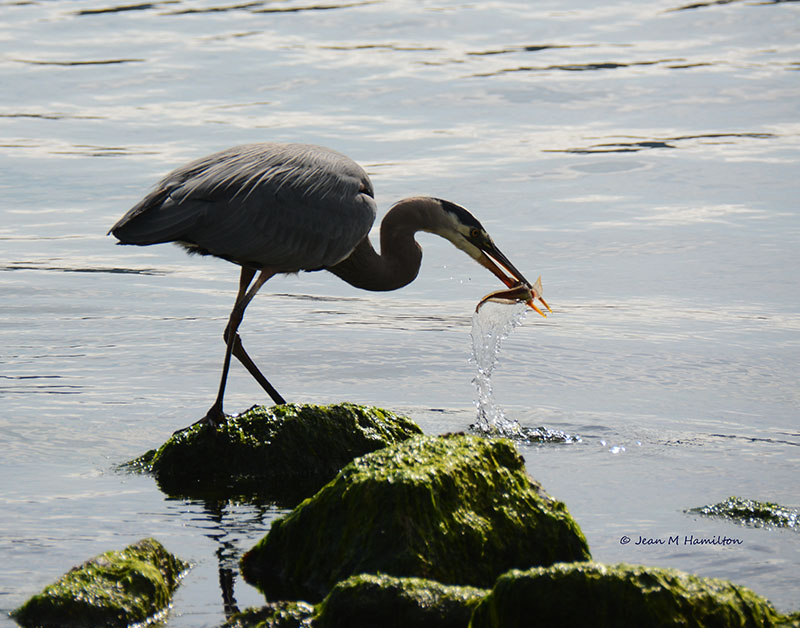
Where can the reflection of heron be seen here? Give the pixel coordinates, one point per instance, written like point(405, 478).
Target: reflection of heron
point(229, 526)
point(283, 208)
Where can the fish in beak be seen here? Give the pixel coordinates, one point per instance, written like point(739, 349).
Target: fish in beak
point(519, 288)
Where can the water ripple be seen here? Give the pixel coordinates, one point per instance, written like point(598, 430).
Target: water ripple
point(316, 7)
point(243, 6)
point(579, 67)
point(123, 8)
point(253, 7)
point(80, 62)
point(651, 143)
point(50, 116)
point(715, 3)
point(68, 269)
point(529, 48)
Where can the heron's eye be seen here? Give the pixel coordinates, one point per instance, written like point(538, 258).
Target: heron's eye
point(475, 234)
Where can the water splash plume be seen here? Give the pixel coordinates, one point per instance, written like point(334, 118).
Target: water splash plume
point(491, 324)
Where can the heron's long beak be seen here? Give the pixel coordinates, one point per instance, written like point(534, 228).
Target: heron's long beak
point(493, 259)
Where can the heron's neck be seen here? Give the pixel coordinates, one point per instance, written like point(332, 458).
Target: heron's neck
point(398, 263)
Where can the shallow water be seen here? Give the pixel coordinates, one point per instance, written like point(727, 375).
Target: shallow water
point(640, 156)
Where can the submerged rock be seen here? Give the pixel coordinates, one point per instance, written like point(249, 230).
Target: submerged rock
point(367, 601)
point(458, 509)
point(284, 452)
point(751, 512)
point(590, 594)
point(117, 588)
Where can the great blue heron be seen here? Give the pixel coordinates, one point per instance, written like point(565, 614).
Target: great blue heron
point(281, 208)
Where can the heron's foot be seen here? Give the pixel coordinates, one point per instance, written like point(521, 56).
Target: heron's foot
point(213, 418)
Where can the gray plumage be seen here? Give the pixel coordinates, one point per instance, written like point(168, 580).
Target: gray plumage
point(288, 207)
point(282, 208)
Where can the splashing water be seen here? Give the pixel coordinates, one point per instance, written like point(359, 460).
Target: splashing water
point(492, 324)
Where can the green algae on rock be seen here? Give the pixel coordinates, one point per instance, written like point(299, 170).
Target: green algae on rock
point(284, 452)
point(458, 509)
point(117, 588)
point(752, 513)
point(591, 594)
point(366, 601)
point(274, 615)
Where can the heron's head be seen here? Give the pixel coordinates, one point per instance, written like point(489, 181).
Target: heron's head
point(465, 231)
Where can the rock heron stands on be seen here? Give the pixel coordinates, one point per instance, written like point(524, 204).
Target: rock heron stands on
point(281, 208)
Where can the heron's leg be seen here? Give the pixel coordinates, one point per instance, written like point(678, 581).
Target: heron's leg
point(215, 415)
point(239, 352)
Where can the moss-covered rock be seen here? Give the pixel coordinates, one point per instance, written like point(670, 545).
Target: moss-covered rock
point(274, 615)
point(367, 601)
point(285, 452)
point(752, 513)
point(458, 509)
point(117, 588)
point(591, 594)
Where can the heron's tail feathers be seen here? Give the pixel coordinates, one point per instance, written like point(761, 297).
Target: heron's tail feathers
point(156, 219)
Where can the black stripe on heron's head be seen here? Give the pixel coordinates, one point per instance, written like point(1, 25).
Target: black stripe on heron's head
point(463, 216)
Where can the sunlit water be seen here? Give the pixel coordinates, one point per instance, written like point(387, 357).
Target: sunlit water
point(641, 156)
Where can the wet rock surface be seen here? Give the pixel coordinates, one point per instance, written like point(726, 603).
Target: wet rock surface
point(283, 453)
point(274, 615)
point(367, 601)
point(116, 588)
point(591, 594)
point(752, 513)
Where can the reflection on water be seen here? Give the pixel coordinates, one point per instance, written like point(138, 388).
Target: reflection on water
point(227, 531)
point(640, 155)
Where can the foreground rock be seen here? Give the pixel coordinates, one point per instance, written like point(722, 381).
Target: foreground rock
point(457, 509)
point(752, 513)
point(285, 452)
point(368, 601)
point(570, 595)
point(110, 590)
point(590, 594)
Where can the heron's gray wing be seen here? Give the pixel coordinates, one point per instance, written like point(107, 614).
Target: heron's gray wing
point(287, 207)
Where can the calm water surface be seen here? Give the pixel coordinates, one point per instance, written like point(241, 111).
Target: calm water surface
point(641, 156)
